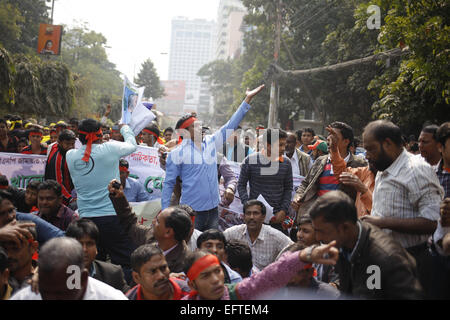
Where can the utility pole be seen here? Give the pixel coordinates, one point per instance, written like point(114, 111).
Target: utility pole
point(273, 91)
point(53, 7)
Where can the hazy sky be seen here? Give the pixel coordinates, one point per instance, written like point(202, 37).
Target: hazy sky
point(135, 29)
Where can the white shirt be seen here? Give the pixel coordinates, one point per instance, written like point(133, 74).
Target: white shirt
point(192, 244)
point(267, 246)
point(96, 290)
point(294, 164)
point(408, 189)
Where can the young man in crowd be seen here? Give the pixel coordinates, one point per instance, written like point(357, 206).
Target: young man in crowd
point(300, 161)
point(320, 178)
point(239, 258)
point(428, 145)
point(151, 273)
point(206, 277)
point(194, 162)
point(92, 167)
point(8, 143)
point(307, 139)
point(269, 174)
point(86, 233)
point(56, 165)
point(35, 137)
point(134, 191)
point(50, 205)
point(371, 265)
point(214, 241)
point(265, 242)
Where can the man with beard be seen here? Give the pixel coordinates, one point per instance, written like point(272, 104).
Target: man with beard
point(407, 193)
point(56, 166)
point(362, 179)
point(151, 273)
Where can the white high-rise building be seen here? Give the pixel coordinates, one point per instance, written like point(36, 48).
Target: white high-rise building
point(230, 16)
point(191, 47)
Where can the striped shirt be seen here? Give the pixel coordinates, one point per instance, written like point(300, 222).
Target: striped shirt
point(275, 186)
point(327, 180)
point(408, 189)
point(444, 178)
point(267, 246)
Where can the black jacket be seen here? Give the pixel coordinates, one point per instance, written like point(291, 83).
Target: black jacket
point(110, 274)
point(398, 274)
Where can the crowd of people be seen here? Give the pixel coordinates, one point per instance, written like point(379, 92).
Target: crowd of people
point(369, 220)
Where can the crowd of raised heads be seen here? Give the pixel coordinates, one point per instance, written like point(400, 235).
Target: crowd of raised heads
point(341, 217)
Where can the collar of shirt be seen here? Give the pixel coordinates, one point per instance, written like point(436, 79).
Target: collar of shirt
point(346, 159)
point(347, 253)
point(168, 250)
point(92, 270)
point(395, 167)
point(261, 234)
point(127, 184)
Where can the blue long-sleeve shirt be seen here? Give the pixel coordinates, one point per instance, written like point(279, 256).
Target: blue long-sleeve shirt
point(91, 178)
point(197, 169)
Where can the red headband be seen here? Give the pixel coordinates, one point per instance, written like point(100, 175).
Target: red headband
point(123, 169)
point(90, 137)
point(35, 133)
point(186, 124)
point(160, 141)
point(202, 264)
point(3, 187)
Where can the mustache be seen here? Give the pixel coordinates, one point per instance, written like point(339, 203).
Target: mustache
point(161, 282)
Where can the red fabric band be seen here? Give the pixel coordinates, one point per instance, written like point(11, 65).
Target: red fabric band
point(186, 124)
point(158, 139)
point(201, 264)
point(123, 169)
point(90, 137)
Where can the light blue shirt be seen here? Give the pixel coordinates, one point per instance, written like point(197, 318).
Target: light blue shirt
point(197, 169)
point(91, 178)
point(135, 192)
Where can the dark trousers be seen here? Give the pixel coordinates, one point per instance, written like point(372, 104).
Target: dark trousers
point(205, 220)
point(115, 242)
point(423, 261)
point(440, 276)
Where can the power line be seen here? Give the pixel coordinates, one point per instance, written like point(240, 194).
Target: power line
point(309, 19)
point(335, 67)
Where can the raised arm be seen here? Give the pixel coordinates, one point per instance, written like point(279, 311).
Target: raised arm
point(279, 273)
point(224, 133)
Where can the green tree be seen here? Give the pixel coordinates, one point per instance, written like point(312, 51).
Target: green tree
point(31, 13)
point(148, 78)
point(7, 71)
point(97, 82)
point(415, 88)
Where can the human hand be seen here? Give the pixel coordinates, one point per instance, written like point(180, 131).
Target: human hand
point(317, 254)
point(333, 139)
point(251, 93)
point(278, 217)
point(16, 232)
point(114, 192)
point(295, 205)
point(228, 195)
point(352, 180)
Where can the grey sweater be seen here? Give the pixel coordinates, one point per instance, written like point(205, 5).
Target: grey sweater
point(276, 188)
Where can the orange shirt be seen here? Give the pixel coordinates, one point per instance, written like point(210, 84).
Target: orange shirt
point(363, 202)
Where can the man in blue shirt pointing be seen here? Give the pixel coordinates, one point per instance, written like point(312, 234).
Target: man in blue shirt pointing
point(194, 161)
